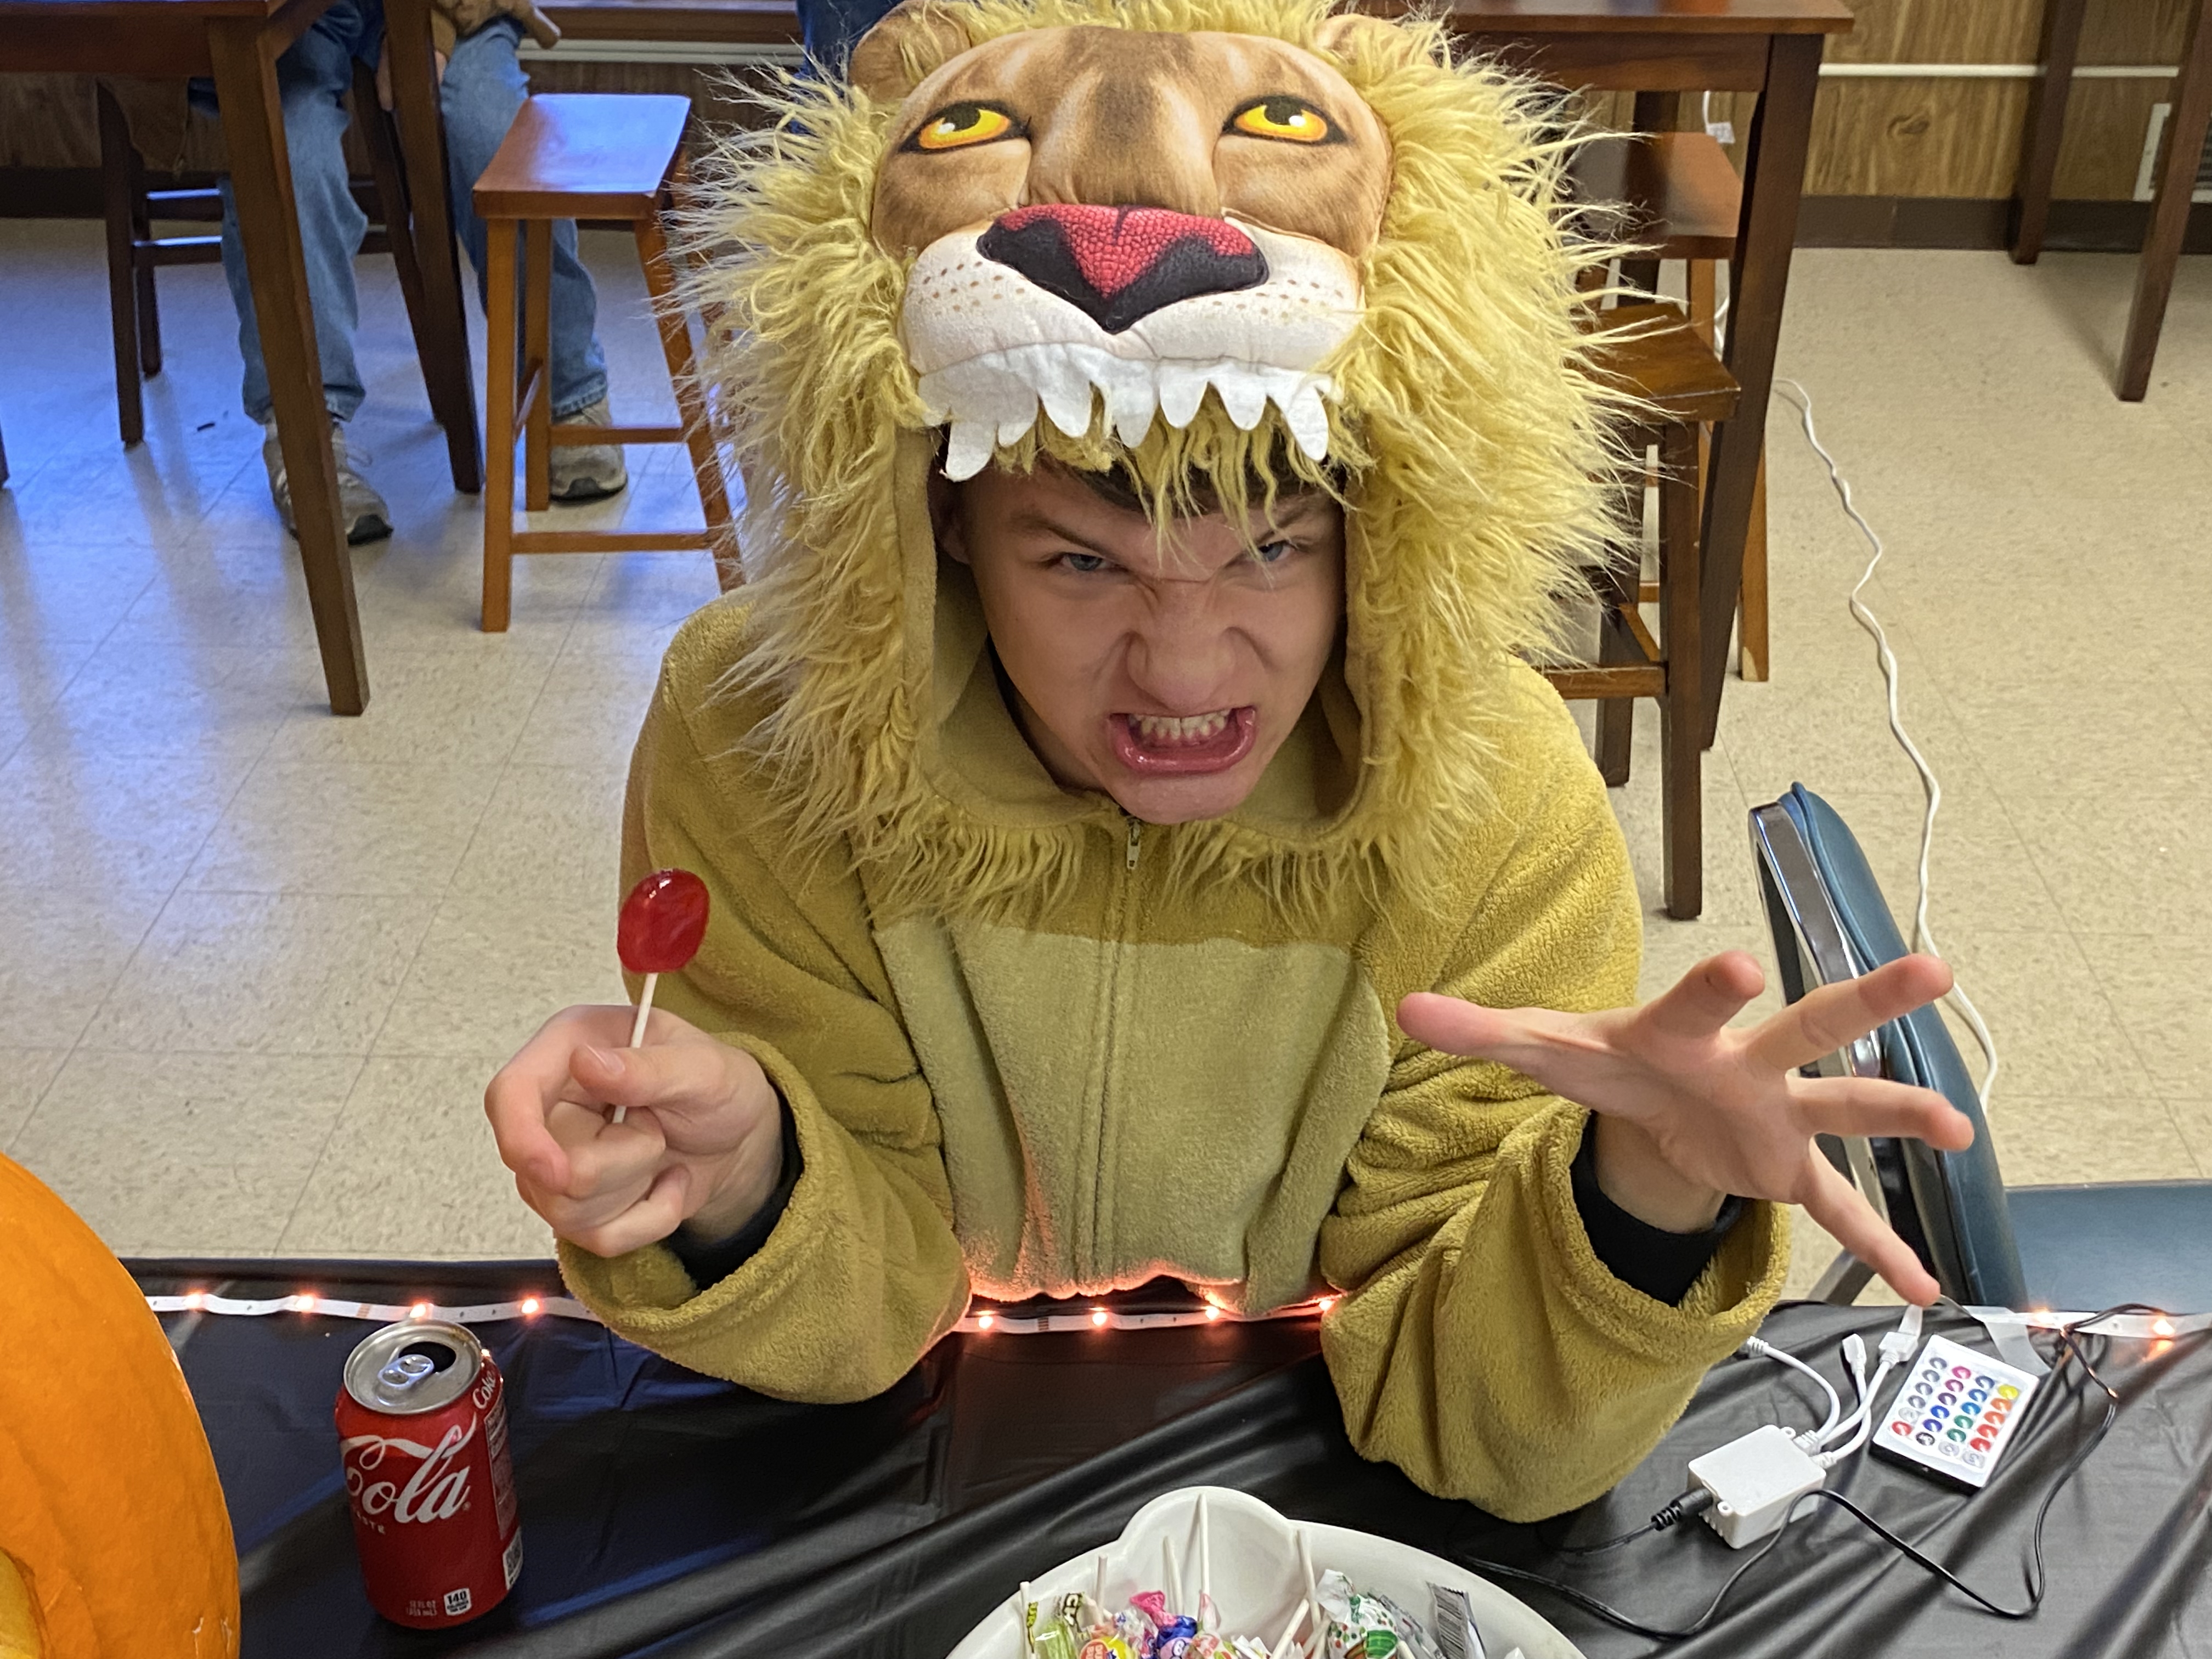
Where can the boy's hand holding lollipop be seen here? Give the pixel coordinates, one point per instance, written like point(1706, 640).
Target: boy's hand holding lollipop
point(622, 1125)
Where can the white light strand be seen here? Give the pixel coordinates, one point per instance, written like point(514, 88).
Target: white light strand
point(977, 1322)
point(384, 1313)
point(1931, 791)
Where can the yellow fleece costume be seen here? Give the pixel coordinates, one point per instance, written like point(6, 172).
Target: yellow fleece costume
point(1029, 1044)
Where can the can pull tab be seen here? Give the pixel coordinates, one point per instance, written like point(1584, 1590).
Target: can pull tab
point(405, 1370)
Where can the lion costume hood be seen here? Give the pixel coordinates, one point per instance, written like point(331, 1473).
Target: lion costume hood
point(1227, 243)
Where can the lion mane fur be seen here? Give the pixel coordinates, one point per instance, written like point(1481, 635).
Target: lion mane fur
point(1469, 448)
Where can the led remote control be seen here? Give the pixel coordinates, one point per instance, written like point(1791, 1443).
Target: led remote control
point(1955, 1414)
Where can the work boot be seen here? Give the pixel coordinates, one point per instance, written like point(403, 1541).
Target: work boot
point(592, 473)
point(361, 511)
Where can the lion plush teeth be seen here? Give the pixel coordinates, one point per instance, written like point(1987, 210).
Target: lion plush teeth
point(990, 347)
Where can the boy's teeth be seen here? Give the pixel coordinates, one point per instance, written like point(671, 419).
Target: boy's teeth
point(1180, 729)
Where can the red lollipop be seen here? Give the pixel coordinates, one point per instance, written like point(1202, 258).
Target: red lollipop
point(662, 921)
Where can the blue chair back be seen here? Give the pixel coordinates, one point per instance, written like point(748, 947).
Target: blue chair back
point(1830, 921)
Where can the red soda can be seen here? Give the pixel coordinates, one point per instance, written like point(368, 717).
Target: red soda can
point(423, 1438)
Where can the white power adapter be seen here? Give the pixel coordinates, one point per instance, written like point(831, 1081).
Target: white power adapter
point(1754, 1480)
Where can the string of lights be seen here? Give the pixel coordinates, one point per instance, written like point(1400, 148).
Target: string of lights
point(978, 1321)
point(981, 1319)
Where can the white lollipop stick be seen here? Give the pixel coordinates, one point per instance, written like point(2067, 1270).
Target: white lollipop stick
point(1204, 1552)
point(1297, 1618)
point(1306, 1571)
point(1174, 1584)
point(1022, 1617)
point(637, 1027)
point(1098, 1589)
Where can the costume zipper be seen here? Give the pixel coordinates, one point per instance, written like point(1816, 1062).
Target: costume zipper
point(1136, 839)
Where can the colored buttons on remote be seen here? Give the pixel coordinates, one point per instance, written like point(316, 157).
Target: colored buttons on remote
point(1954, 1412)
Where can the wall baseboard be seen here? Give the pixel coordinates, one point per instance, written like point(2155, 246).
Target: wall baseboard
point(1932, 222)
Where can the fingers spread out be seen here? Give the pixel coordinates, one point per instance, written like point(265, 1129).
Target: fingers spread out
point(1850, 1220)
point(1707, 997)
point(1835, 1016)
point(1875, 1106)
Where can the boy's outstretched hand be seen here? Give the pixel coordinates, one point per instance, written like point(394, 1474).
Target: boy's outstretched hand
point(1689, 1110)
point(703, 1141)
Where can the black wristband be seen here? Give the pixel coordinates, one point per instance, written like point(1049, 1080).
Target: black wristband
point(711, 1263)
point(1661, 1264)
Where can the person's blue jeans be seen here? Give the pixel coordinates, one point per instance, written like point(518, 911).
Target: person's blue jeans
point(483, 88)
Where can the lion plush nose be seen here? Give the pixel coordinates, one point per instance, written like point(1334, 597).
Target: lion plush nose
point(1119, 264)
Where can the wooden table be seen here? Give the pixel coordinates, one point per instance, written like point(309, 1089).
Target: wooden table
point(2186, 121)
point(238, 43)
point(1771, 47)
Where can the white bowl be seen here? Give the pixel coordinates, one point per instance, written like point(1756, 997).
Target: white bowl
point(1255, 1582)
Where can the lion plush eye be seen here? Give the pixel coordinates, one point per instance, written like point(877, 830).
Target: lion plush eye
point(1282, 117)
point(957, 126)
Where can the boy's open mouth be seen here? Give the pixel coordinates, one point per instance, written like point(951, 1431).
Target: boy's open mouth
point(1168, 745)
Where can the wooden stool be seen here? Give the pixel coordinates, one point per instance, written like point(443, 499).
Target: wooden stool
point(134, 254)
point(578, 155)
point(1684, 388)
point(1681, 199)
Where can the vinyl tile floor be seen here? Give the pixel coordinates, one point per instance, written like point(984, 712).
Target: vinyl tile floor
point(257, 963)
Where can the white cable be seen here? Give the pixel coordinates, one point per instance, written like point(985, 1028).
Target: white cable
point(1923, 938)
point(1768, 1351)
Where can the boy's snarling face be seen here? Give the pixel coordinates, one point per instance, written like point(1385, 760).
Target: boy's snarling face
point(1165, 672)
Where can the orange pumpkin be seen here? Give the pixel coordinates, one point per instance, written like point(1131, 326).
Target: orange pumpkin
point(110, 1510)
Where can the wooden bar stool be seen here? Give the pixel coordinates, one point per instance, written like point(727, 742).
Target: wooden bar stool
point(1679, 198)
point(1683, 388)
point(578, 155)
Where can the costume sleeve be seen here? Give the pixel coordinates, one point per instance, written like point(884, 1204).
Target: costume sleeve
point(862, 1273)
point(1480, 1345)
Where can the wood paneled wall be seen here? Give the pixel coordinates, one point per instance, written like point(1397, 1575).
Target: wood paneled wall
point(1956, 136)
point(1922, 136)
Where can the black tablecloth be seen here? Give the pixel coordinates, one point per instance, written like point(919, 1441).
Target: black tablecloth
point(667, 1514)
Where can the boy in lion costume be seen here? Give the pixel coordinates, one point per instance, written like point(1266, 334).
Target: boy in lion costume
point(1137, 845)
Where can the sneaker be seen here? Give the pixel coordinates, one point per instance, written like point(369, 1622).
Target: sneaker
point(592, 473)
point(361, 511)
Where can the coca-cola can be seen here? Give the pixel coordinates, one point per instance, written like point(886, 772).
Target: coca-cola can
point(423, 1439)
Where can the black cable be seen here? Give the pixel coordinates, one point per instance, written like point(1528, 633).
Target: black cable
point(1612, 1615)
point(1696, 1501)
point(2070, 1353)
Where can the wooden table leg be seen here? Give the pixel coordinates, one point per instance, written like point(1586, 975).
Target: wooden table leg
point(498, 416)
point(2169, 212)
point(437, 252)
point(1681, 726)
point(117, 156)
point(2046, 125)
point(1773, 183)
point(245, 59)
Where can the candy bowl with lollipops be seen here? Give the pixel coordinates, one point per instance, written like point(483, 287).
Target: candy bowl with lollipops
point(1208, 1572)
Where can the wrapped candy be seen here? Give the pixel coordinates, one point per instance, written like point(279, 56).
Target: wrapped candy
point(1105, 1642)
point(1359, 1627)
point(1173, 1637)
point(1050, 1634)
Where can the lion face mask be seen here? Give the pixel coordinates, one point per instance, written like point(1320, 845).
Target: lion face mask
point(1141, 216)
point(1231, 246)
